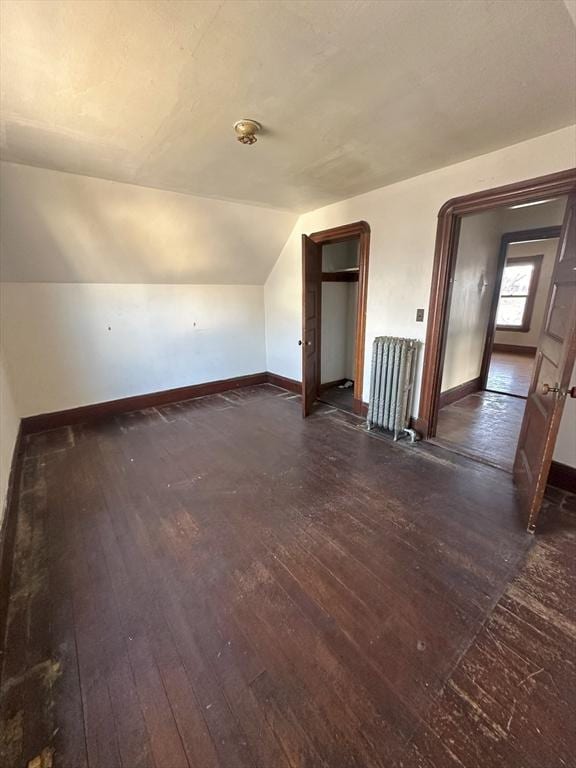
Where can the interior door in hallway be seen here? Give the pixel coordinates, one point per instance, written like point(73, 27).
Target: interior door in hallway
point(311, 321)
point(551, 378)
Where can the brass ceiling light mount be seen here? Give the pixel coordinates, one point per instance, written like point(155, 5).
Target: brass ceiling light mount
point(246, 130)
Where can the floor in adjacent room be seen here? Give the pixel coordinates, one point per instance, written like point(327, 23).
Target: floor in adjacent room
point(485, 425)
point(510, 373)
point(220, 583)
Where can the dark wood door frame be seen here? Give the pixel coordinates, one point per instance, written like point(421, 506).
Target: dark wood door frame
point(540, 233)
point(449, 217)
point(359, 230)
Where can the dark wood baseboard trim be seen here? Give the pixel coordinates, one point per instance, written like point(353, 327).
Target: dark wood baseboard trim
point(292, 385)
point(330, 384)
point(514, 349)
point(8, 533)
point(461, 390)
point(86, 413)
point(562, 476)
point(90, 413)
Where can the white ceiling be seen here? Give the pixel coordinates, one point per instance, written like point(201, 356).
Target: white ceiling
point(353, 94)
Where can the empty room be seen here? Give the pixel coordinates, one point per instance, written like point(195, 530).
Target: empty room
point(287, 383)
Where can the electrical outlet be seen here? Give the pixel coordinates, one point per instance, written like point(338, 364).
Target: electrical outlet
point(419, 315)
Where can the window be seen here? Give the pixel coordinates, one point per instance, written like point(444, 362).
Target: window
point(517, 292)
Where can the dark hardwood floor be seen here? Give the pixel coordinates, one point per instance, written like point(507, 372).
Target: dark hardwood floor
point(485, 425)
point(339, 398)
point(510, 373)
point(220, 583)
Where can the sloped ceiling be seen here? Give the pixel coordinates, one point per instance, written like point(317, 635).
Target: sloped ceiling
point(64, 228)
point(353, 95)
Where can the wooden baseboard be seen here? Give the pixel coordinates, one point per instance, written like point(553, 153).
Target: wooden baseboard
point(8, 532)
point(461, 390)
point(514, 349)
point(562, 476)
point(292, 385)
point(88, 413)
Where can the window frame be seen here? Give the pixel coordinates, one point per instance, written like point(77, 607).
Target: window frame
point(536, 261)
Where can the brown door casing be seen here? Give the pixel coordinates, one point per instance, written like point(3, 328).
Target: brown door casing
point(554, 185)
point(311, 319)
point(551, 378)
point(544, 187)
point(359, 230)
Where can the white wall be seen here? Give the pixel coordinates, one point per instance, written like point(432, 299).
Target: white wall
point(337, 256)
point(68, 345)
point(334, 329)
point(9, 422)
point(111, 290)
point(548, 249)
point(351, 331)
point(339, 306)
point(472, 289)
point(402, 218)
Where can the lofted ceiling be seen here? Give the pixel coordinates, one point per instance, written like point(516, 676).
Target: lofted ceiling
point(353, 95)
point(65, 228)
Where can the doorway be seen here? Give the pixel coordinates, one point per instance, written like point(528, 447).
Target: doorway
point(334, 290)
point(478, 302)
point(339, 312)
point(525, 267)
point(496, 314)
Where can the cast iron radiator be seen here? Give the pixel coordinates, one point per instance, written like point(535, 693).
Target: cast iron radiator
point(391, 384)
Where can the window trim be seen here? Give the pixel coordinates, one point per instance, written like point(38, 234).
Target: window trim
point(536, 261)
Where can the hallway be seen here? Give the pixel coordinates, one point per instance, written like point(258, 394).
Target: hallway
point(510, 373)
point(483, 425)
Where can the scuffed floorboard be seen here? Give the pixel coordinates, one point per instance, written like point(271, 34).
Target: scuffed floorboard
point(511, 701)
point(219, 584)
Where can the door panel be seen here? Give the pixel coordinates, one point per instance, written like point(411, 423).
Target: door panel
point(311, 319)
point(551, 377)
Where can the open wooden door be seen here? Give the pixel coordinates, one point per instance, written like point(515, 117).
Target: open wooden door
point(551, 378)
point(311, 319)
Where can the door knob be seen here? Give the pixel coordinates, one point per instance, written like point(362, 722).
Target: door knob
point(546, 388)
point(299, 342)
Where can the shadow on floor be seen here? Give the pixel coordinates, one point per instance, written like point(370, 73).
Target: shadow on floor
point(339, 397)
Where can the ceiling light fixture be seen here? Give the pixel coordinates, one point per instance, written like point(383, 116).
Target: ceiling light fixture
point(246, 130)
